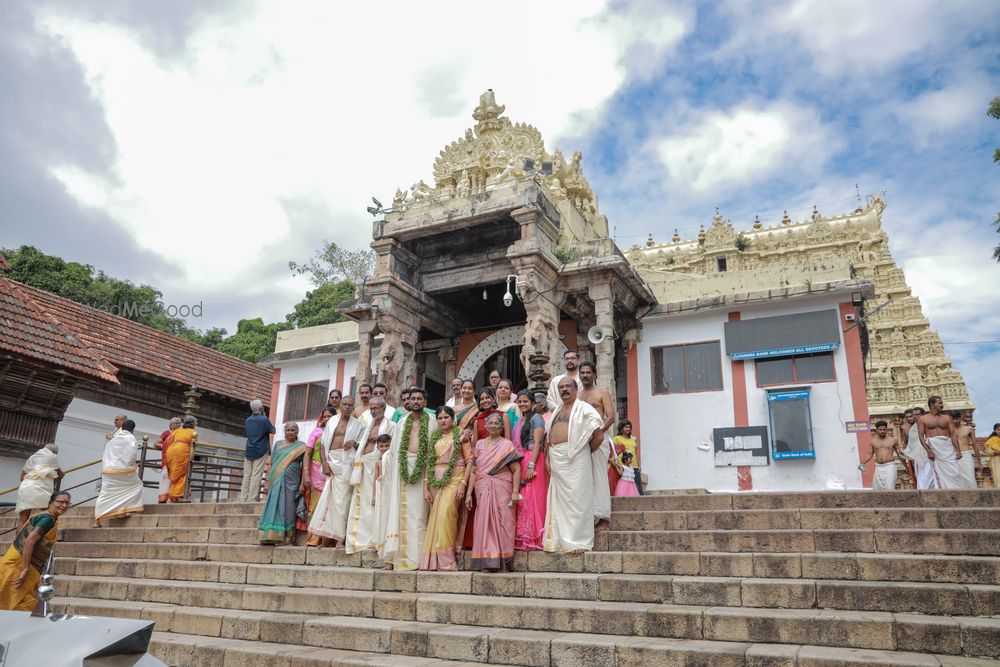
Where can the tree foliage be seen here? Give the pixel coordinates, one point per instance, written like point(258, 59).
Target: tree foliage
point(320, 305)
point(253, 339)
point(332, 263)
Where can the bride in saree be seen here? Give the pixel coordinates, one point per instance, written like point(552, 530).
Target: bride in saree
point(444, 488)
point(285, 487)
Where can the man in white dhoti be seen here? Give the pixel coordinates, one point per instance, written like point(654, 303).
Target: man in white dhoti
point(381, 391)
point(885, 449)
point(937, 435)
point(403, 509)
point(600, 400)
point(340, 436)
point(922, 464)
point(572, 361)
point(37, 481)
point(972, 458)
point(573, 433)
point(362, 522)
point(362, 410)
point(121, 487)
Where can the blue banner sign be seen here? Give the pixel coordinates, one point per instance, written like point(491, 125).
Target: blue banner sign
point(806, 454)
point(784, 351)
point(788, 395)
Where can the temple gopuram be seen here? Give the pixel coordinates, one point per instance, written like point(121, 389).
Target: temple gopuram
point(905, 361)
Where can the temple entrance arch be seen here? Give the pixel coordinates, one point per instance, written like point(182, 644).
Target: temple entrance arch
point(502, 350)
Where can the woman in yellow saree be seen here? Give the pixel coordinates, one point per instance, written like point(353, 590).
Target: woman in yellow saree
point(21, 567)
point(992, 447)
point(444, 488)
point(177, 458)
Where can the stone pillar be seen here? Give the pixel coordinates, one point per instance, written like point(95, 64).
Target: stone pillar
point(604, 306)
point(366, 336)
point(448, 355)
point(396, 357)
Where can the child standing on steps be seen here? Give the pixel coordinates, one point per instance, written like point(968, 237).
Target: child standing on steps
point(626, 484)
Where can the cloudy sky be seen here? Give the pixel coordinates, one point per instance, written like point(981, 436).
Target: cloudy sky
point(201, 145)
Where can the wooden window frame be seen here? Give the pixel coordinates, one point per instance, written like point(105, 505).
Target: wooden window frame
point(795, 380)
point(307, 384)
point(652, 369)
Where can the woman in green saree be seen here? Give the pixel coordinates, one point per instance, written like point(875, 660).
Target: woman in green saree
point(284, 489)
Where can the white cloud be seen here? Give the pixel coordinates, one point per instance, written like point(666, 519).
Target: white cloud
point(746, 144)
point(855, 38)
point(330, 103)
point(960, 104)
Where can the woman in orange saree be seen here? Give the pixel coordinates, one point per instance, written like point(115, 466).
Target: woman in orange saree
point(178, 456)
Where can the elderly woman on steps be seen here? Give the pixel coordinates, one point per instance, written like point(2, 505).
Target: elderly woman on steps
point(21, 567)
point(285, 488)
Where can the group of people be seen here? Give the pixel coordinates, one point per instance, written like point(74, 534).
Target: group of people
point(490, 471)
point(938, 447)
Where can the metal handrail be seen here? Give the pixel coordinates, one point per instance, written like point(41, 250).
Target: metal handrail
point(65, 472)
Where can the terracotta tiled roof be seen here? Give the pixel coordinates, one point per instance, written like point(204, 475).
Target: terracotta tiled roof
point(28, 330)
point(117, 341)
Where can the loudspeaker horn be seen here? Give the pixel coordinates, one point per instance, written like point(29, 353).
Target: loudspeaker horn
point(597, 335)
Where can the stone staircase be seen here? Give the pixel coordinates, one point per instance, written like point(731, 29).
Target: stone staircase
point(762, 580)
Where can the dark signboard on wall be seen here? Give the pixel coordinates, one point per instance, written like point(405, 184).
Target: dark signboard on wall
point(741, 446)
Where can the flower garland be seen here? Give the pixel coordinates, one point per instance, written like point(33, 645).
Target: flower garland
point(456, 445)
point(422, 450)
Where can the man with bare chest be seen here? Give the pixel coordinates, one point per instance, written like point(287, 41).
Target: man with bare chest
point(937, 435)
point(575, 431)
point(971, 456)
point(364, 398)
point(885, 449)
point(599, 399)
point(340, 437)
point(362, 520)
point(923, 465)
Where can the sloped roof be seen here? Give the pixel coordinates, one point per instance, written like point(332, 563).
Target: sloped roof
point(114, 341)
point(28, 330)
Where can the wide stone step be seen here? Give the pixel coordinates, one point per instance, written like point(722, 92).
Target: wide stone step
point(161, 535)
point(813, 499)
point(960, 635)
point(844, 519)
point(931, 568)
point(199, 636)
point(913, 541)
point(184, 508)
point(952, 599)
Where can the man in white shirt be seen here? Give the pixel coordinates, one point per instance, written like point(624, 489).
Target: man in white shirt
point(456, 392)
point(572, 362)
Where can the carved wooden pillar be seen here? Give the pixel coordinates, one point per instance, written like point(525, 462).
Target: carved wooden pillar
point(604, 306)
point(448, 355)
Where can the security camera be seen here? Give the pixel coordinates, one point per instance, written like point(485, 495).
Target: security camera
point(508, 299)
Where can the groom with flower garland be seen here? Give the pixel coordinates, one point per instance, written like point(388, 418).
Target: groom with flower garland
point(404, 508)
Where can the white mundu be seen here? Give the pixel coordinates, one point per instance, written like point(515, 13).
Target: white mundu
point(362, 521)
point(599, 459)
point(569, 520)
point(553, 398)
point(885, 477)
point(121, 488)
point(926, 479)
point(330, 518)
point(403, 510)
point(950, 473)
point(39, 479)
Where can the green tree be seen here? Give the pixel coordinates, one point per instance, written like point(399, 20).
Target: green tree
point(994, 112)
point(320, 305)
point(253, 339)
point(332, 263)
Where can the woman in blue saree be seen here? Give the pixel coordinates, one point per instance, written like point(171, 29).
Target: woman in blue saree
point(284, 489)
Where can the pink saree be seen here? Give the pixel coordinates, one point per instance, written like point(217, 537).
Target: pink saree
point(493, 531)
point(530, 519)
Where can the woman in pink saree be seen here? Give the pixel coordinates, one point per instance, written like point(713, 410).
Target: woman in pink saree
point(312, 475)
point(529, 438)
point(497, 475)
